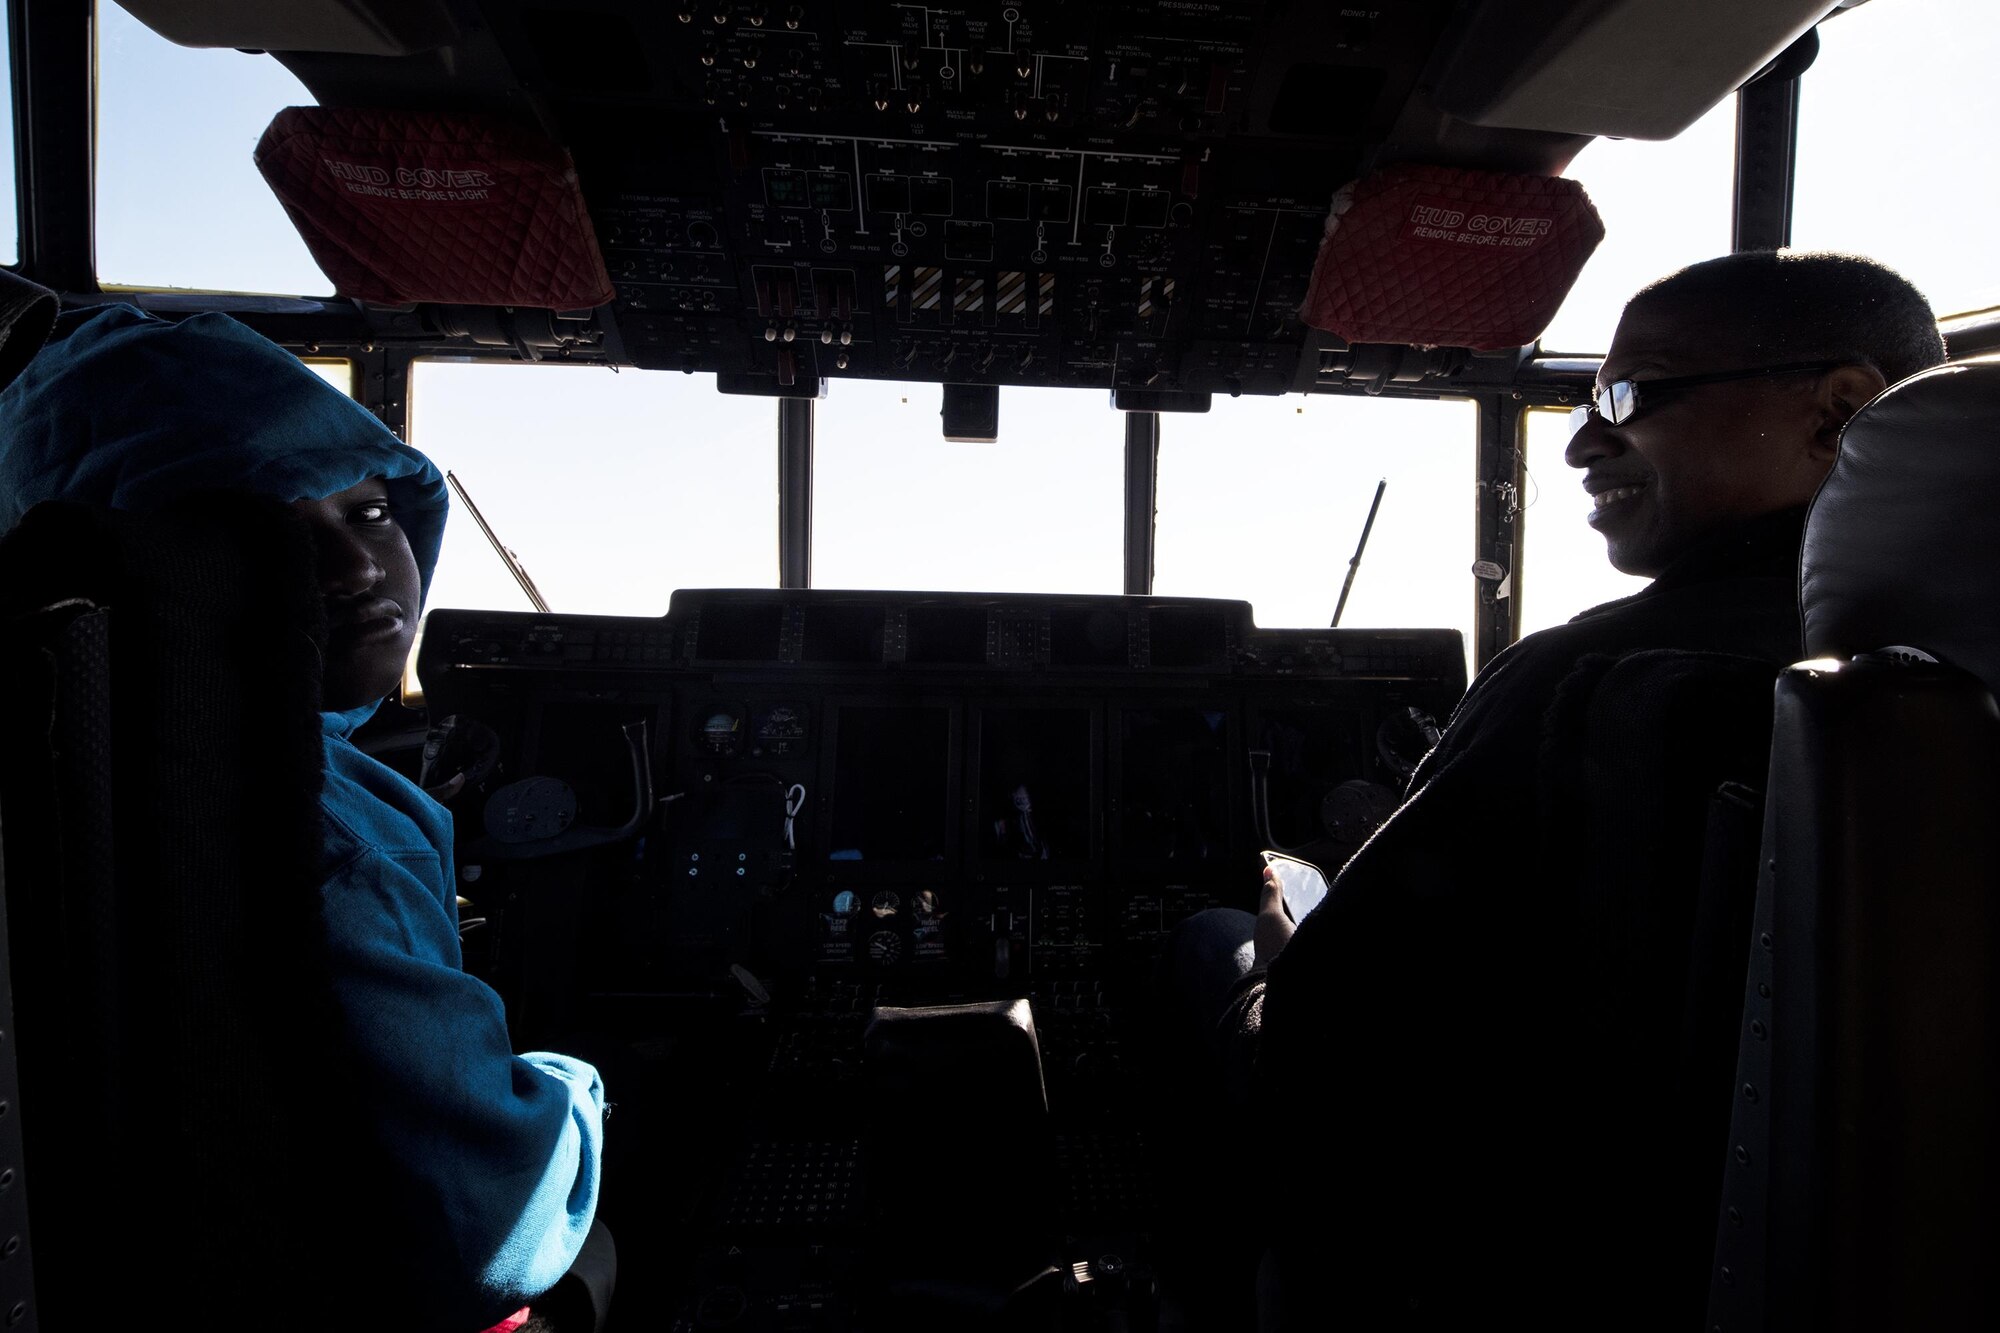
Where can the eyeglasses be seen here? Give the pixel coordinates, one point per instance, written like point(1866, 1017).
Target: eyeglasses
point(1618, 402)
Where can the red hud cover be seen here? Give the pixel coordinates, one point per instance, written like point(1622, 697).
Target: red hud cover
point(1444, 257)
point(399, 207)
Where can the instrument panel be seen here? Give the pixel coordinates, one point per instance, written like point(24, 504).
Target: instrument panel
point(964, 794)
point(710, 847)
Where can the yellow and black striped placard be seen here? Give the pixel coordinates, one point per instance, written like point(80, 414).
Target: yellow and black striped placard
point(926, 288)
point(968, 299)
point(1010, 295)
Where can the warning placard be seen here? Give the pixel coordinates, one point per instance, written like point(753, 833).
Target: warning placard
point(1453, 224)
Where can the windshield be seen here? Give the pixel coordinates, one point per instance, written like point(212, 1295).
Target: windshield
point(1265, 499)
point(179, 200)
point(1895, 157)
point(616, 489)
point(1664, 206)
point(897, 506)
point(613, 488)
point(1563, 567)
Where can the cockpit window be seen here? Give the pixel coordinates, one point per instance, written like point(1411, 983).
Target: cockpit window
point(1563, 569)
point(613, 488)
point(1264, 498)
point(895, 505)
point(179, 200)
point(338, 373)
point(1665, 205)
point(10, 215)
point(1895, 146)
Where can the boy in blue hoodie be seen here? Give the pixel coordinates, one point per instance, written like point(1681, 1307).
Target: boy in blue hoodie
point(497, 1153)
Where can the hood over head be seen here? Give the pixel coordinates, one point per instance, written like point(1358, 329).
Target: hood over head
point(133, 412)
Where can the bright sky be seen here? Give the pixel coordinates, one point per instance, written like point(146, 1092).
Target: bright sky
point(617, 488)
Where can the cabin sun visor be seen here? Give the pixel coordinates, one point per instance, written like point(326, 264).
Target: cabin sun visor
point(1444, 257)
point(399, 207)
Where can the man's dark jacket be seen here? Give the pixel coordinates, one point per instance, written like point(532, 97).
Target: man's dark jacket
point(1483, 1057)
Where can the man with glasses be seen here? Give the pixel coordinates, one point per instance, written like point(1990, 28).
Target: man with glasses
point(1722, 397)
point(1477, 1057)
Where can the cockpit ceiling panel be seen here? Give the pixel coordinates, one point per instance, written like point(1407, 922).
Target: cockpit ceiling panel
point(1629, 69)
point(356, 27)
point(1128, 195)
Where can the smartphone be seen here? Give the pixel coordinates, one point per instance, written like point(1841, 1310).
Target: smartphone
point(1303, 882)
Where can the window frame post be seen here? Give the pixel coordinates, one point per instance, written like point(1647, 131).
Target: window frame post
point(795, 491)
point(1499, 543)
point(1142, 500)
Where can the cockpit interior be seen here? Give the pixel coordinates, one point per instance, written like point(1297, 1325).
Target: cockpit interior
point(708, 848)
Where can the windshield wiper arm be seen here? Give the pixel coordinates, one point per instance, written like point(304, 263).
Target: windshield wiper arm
point(1355, 564)
point(506, 553)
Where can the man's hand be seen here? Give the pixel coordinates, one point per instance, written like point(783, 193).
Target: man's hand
point(1274, 924)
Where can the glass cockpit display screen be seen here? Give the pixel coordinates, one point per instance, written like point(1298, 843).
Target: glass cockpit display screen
point(891, 798)
point(1175, 785)
point(1034, 784)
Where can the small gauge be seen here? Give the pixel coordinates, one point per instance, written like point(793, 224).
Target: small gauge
point(718, 731)
point(885, 904)
point(530, 810)
point(884, 947)
point(779, 730)
point(1351, 812)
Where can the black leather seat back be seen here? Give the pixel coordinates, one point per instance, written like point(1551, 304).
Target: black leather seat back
point(1653, 760)
point(956, 1159)
point(959, 1124)
point(1862, 1188)
point(159, 777)
point(1903, 544)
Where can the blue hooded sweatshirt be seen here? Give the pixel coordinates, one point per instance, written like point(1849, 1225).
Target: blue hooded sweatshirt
point(499, 1153)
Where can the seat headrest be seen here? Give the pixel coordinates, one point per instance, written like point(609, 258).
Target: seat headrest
point(1902, 547)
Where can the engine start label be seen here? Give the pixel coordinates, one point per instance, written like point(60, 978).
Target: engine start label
point(1456, 224)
